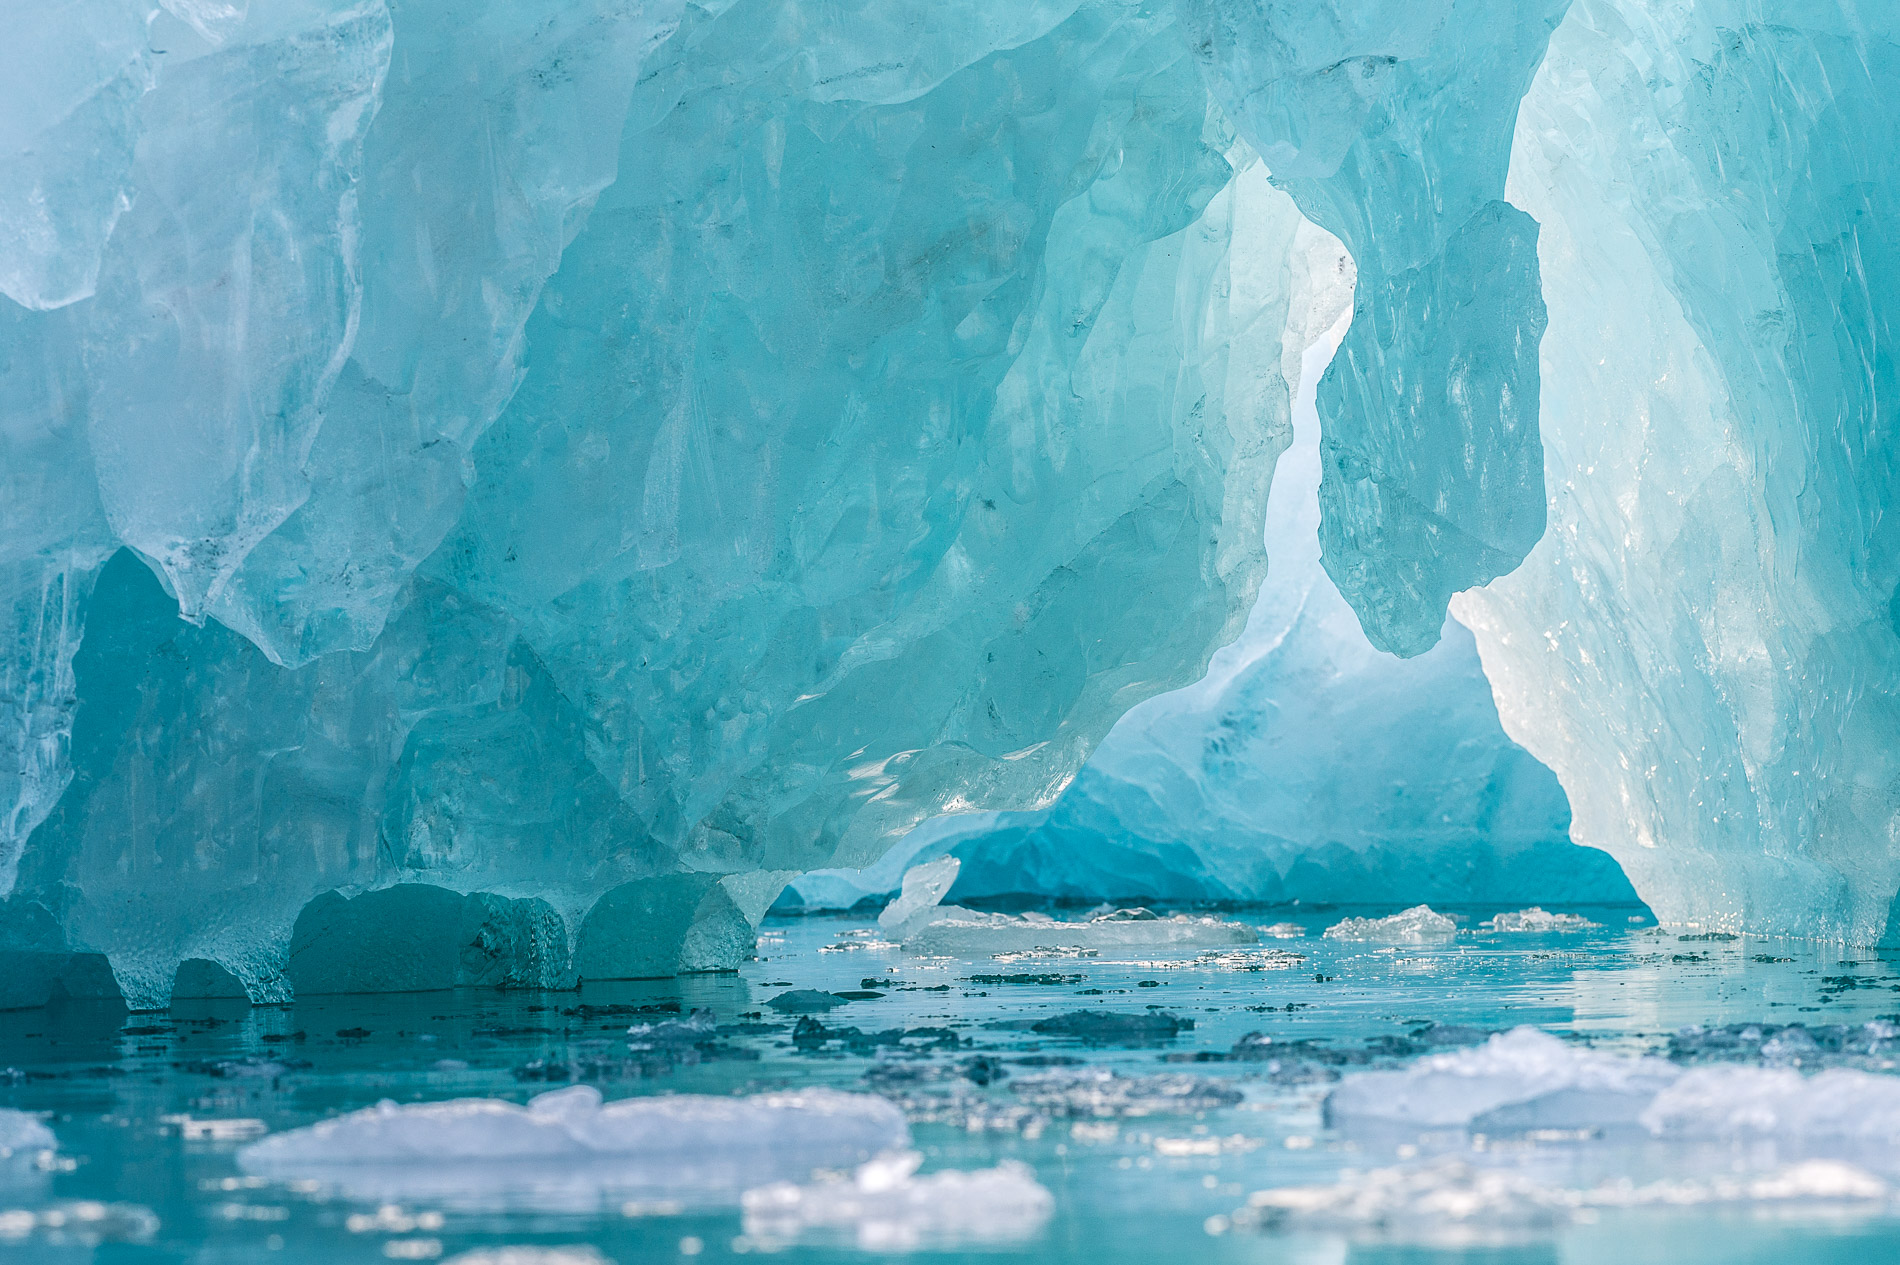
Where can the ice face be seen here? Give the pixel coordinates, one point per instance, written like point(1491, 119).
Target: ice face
point(1704, 644)
point(1365, 113)
point(1307, 765)
point(608, 456)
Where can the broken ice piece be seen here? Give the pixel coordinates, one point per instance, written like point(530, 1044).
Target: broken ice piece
point(1535, 919)
point(565, 1150)
point(884, 1206)
point(923, 889)
point(1418, 925)
point(957, 931)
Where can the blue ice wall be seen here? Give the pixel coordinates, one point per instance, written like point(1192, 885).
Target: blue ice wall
point(1308, 766)
point(594, 447)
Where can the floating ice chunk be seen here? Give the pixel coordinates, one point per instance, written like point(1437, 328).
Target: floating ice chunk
point(1840, 1105)
point(1418, 925)
point(22, 1136)
point(923, 890)
point(1450, 1200)
point(1284, 931)
point(567, 1150)
point(886, 1207)
point(966, 931)
point(1535, 919)
point(530, 1256)
point(1100, 1092)
point(1521, 1079)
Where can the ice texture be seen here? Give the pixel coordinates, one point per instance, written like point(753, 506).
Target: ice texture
point(884, 1206)
point(608, 456)
point(566, 1149)
point(1391, 124)
point(1420, 924)
point(1521, 1079)
point(1306, 766)
point(1705, 646)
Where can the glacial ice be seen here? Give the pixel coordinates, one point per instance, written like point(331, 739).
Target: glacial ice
point(886, 1207)
point(565, 1149)
point(1705, 645)
point(1306, 766)
point(577, 464)
point(608, 457)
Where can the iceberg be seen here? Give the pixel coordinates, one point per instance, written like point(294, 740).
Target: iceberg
point(1306, 766)
point(567, 1150)
point(604, 459)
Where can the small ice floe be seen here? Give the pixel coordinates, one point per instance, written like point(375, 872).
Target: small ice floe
point(885, 1206)
point(1525, 1080)
point(1451, 1201)
point(1284, 931)
point(1420, 924)
point(1535, 919)
point(566, 1150)
point(23, 1139)
point(926, 926)
point(1518, 1080)
point(529, 1256)
point(83, 1222)
point(1097, 1092)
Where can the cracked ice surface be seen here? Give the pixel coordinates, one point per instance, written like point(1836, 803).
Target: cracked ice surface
point(609, 456)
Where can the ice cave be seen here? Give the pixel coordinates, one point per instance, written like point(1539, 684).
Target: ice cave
point(1068, 630)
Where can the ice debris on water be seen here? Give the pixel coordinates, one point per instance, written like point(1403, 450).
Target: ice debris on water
point(512, 1255)
point(1535, 919)
point(1417, 925)
point(80, 1222)
point(932, 928)
point(1452, 1201)
point(22, 1137)
point(565, 1148)
point(1526, 1080)
point(886, 1207)
point(1875, 1044)
point(1522, 1078)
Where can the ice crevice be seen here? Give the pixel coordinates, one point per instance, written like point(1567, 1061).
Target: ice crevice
point(514, 484)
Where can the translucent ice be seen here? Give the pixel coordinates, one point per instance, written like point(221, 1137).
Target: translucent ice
point(1418, 925)
point(922, 889)
point(1306, 766)
point(565, 1149)
point(1704, 646)
point(1535, 920)
point(884, 1206)
point(969, 931)
point(609, 457)
point(1522, 1079)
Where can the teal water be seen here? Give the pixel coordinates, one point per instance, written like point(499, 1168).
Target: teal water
point(129, 1098)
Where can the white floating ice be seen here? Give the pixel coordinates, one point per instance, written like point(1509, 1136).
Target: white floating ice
point(1535, 919)
point(1418, 925)
point(22, 1134)
point(1522, 1079)
point(567, 1150)
point(967, 931)
point(886, 1207)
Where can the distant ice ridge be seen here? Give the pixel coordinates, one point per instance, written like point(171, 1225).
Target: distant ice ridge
point(1418, 925)
point(1306, 765)
point(885, 1207)
point(565, 1149)
point(927, 927)
point(1526, 1079)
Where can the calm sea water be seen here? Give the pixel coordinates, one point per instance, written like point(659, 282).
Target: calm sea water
point(150, 1109)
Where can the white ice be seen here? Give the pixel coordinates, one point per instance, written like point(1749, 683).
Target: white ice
point(567, 1150)
point(884, 1206)
point(1418, 925)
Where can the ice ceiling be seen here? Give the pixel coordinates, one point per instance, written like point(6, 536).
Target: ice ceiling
point(610, 457)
